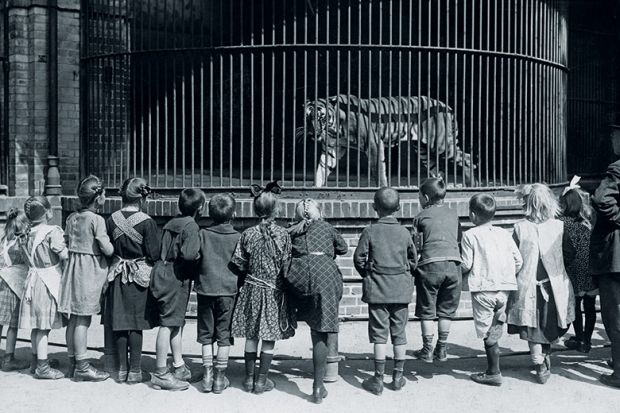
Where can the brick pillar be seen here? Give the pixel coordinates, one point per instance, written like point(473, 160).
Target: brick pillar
point(28, 94)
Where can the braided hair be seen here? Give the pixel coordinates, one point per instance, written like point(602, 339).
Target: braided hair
point(134, 190)
point(89, 189)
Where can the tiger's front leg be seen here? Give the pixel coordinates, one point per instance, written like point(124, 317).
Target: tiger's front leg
point(327, 163)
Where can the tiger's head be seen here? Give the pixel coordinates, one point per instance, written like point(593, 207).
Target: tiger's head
point(321, 122)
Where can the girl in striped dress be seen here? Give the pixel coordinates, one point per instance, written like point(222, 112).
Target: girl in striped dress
point(13, 272)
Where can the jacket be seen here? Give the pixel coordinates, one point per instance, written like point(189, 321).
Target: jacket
point(605, 238)
point(216, 276)
point(492, 258)
point(441, 234)
point(542, 242)
point(385, 257)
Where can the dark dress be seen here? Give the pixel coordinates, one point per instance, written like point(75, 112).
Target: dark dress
point(315, 245)
point(548, 330)
point(579, 270)
point(126, 304)
point(171, 278)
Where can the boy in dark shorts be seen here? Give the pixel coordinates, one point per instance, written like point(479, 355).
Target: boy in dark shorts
point(492, 259)
point(170, 287)
point(216, 287)
point(386, 258)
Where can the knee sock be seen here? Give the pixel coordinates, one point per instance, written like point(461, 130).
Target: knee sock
point(121, 343)
point(319, 357)
point(442, 337)
point(578, 323)
point(379, 367)
point(135, 350)
point(399, 365)
point(265, 362)
point(250, 363)
point(427, 340)
point(590, 316)
point(207, 360)
point(492, 353)
point(221, 361)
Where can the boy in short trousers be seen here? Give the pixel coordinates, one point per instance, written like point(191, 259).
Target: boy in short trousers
point(492, 258)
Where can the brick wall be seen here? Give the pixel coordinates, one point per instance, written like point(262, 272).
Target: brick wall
point(69, 93)
point(28, 94)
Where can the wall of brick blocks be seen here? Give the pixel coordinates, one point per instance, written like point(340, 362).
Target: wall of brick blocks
point(28, 131)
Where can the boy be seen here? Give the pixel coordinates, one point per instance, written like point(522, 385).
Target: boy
point(216, 287)
point(386, 258)
point(493, 260)
point(170, 285)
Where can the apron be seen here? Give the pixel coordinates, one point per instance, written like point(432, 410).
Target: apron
point(130, 270)
point(50, 276)
point(13, 275)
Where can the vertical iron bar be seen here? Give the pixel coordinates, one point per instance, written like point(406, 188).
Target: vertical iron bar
point(252, 28)
point(262, 93)
point(294, 105)
point(284, 93)
point(359, 88)
point(272, 93)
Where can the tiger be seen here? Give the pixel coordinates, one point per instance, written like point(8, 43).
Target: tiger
point(372, 125)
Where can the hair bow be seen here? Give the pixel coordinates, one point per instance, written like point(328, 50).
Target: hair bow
point(273, 187)
point(574, 184)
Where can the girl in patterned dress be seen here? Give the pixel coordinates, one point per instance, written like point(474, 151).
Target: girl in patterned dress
point(317, 282)
point(84, 275)
point(137, 245)
point(13, 272)
point(45, 250)
point(577, 215)
point(263, 253)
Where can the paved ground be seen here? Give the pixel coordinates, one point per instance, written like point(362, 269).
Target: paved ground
point(439, 387)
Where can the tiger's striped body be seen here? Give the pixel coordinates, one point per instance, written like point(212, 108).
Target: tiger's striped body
point(374, 125)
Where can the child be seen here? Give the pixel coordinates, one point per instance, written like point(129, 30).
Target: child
point(438, 279)
point(492, 259)
point(137, 245)
point(543, 306)
point(171, 286)
point(263, 253)
point(385, 257)
point(84, 275)
point(317, 282)
point(45, 250)
point(13, 274)
point(216, 288)
point(576, 215)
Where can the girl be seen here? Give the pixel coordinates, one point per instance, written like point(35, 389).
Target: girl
point(85, 273)
point(543, 305)
point(45, 251)
point(136, 242)
point(577, 215)
point(13, 274)
point(438, 279)
point(316, 282)
point(262, 253)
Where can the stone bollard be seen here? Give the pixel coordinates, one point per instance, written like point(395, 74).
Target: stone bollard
point(333, 358)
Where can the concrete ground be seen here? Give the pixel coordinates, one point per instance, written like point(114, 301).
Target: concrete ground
point(438, 387)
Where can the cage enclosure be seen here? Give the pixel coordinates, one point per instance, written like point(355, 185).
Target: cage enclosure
point(345, 94)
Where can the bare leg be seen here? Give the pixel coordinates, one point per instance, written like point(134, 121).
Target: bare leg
point(176, 345)
point(161, 346)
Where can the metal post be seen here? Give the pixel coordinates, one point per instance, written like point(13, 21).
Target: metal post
point(52, 181)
